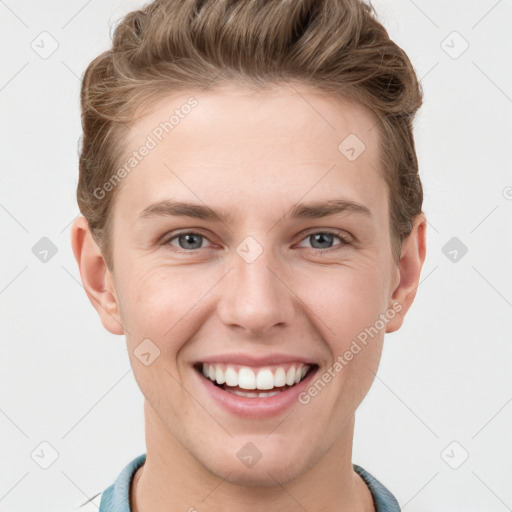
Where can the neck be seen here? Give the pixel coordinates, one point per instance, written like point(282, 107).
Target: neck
point(171, 480)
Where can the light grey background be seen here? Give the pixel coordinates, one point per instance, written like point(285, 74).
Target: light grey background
point(444, 377)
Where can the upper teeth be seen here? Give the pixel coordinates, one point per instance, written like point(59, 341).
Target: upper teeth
point(248, 378)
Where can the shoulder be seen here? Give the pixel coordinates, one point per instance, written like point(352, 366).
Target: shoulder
point(115, 498)
point(383, 500)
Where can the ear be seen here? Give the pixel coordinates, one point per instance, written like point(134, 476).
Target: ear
point(96, 277)
point(409, 268)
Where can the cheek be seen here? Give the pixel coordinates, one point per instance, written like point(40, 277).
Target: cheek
point(357, 304)
point(345, 300)
point(152, 297)
point(156, 305)
point(347, 303)
point(161, 304)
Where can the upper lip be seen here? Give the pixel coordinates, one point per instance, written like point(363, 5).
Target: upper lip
point(257, 361)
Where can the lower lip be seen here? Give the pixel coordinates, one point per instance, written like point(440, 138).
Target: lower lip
point(255, 407)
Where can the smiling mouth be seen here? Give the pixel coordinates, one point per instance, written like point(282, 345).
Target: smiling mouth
point(247, 381)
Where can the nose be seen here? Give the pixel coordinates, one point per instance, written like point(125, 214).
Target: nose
point(255, 296)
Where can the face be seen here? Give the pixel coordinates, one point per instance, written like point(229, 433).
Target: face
point(277, 258)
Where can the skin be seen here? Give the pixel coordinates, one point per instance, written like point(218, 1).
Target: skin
point(253, 155)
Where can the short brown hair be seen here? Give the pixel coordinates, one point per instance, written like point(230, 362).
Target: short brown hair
point(336, 46)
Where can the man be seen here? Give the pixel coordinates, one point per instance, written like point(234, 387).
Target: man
point(254, 241)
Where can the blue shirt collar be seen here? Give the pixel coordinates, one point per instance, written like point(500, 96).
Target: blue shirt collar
point(116, 498)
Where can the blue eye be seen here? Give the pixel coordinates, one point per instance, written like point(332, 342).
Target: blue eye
point(189, 240)
point(321, 238)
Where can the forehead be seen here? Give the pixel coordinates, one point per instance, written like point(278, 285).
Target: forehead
point(285, 112)
point(257, 146)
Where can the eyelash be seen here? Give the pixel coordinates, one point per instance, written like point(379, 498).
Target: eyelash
point(345, 240)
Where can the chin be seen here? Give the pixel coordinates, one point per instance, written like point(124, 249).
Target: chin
point(276, 465)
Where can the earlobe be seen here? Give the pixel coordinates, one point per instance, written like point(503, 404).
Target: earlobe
point(95, 275)
point(410, 265)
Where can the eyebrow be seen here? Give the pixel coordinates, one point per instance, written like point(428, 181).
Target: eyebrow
point(312, 210)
